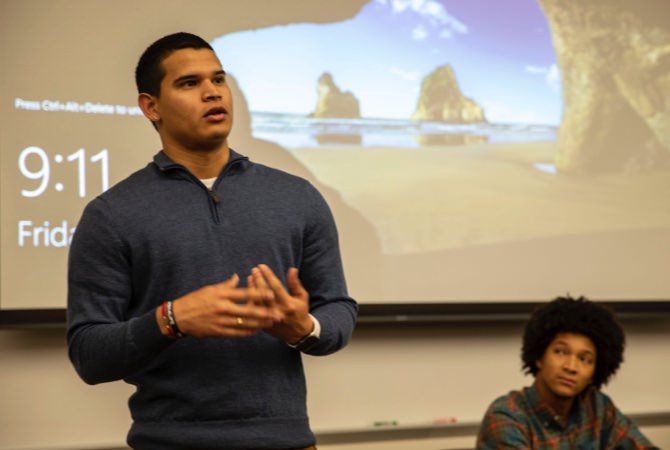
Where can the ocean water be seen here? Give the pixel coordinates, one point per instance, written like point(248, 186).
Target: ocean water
point(297, 131)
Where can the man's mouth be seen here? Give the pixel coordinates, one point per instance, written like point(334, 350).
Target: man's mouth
point(567, 381)
point(216, 113)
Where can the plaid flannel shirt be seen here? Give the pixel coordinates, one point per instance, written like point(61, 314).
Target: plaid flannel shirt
point(520, 420)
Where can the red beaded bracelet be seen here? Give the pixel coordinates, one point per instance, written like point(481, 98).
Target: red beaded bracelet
point(171, 320)
point(166, 320)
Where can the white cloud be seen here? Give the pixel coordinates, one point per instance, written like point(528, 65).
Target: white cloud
point(410, 76)
point(419, 33)
point(554, 77)
point(551, 74)
point(431, 10)
point(536, 69)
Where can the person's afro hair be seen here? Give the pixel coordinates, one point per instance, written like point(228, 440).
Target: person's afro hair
point(579, 316)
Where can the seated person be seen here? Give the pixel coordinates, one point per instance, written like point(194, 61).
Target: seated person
point(572, 347)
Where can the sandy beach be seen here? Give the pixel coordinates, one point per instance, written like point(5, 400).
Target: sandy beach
point(440, 198)
point(482, 222)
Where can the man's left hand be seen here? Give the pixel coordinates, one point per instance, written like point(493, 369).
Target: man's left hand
point(294, 303)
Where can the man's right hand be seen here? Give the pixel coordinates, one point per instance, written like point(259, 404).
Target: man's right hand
point(223, 309)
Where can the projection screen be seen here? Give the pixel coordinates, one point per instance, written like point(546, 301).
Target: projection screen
point(471, 152)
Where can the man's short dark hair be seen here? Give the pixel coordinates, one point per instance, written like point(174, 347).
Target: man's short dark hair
point(149, 72)
point(579, 316)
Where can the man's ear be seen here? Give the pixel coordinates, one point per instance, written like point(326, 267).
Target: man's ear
point(538, 364)
point(149, 107)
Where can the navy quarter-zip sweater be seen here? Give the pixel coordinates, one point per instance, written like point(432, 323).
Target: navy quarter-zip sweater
point(160, 234)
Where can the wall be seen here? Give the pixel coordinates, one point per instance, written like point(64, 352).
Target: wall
point(410, 374)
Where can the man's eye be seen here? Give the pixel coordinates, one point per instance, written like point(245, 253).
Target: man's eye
point(219, 80)
point(586, 359)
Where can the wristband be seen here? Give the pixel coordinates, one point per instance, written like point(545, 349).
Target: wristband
point(166, 320)
point(171, 321)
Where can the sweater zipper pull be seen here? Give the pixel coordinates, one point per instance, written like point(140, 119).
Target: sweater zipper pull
point(214, 196)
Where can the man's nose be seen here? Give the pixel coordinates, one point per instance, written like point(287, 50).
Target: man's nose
point(570, 364)
point(210, 91)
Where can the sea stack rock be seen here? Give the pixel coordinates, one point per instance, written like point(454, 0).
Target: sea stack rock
point(441, 100)
point(333, 103)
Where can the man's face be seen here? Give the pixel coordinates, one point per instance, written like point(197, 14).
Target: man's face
point(194, 110)
point(567, 366)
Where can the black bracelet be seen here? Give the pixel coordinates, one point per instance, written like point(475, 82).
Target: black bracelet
point(172, 322)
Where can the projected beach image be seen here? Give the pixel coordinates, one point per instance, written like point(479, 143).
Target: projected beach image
point(473, 151)
point(444, 123)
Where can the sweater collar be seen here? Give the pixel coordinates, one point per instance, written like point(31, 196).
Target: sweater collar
point(164, 162)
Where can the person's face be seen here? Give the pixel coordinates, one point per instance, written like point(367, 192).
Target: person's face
point(194, 109)
point(567, 367)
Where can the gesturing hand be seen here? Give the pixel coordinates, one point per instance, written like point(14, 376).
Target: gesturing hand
point(223, 309)
point(292, 304)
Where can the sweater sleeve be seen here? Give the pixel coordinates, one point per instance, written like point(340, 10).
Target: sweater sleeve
point(104, 344)
point(322, 275)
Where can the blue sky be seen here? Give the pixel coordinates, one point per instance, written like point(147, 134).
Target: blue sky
point(501, 53)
